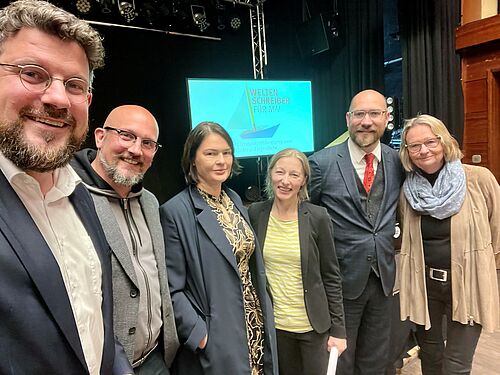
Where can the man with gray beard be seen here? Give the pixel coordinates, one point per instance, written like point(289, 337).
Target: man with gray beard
point(143, 317)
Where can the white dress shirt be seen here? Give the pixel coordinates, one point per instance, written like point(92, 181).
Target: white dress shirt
point(72, 248)
point(358, 158)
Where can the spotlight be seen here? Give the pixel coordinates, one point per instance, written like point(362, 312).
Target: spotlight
point(393, 112)
point(127, 10)
point(83, 6)
point(235, 22)
point(200, 17)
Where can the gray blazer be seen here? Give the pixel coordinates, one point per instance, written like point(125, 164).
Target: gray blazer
point(125, 301)
point(320, 269)
point(206, 290)
point(357, 242)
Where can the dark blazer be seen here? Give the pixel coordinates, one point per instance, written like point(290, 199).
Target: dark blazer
point(38, 333)
point(206, 290)
point(320, 269)
point(357, 242)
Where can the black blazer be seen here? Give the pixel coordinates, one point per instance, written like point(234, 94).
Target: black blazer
point(320, 269)
point(38, 333)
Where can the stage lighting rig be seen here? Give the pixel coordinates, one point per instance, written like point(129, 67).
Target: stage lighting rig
point(83, 6)
point(200, 17)
point(127, 10)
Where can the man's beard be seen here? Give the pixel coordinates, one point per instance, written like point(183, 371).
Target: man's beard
point(29, 157)
point(118, 177)
point(362, 140)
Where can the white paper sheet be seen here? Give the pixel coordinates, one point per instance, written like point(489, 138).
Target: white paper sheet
point(332, 361)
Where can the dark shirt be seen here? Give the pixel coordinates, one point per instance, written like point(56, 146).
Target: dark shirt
point(436, 236)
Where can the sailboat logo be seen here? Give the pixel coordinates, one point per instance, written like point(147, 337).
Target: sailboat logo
point(243, 118)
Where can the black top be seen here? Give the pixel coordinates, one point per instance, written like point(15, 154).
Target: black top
point(436, 236)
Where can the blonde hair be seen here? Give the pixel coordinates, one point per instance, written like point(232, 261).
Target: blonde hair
point(451, 149)
point(288, 153)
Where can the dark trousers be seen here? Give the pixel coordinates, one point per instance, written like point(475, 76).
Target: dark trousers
point(302, 353)
point(402, 338)
point(461, 340)
point(368, 328)
point(154, 364)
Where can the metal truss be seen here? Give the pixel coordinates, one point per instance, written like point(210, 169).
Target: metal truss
point(258, 33)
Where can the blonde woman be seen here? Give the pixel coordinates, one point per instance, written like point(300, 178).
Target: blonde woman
point(301, 268)
point(451, 234)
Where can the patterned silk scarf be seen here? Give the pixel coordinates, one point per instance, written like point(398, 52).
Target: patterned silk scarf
point(442, 200)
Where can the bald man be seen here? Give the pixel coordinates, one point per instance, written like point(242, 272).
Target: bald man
point(358, 182)
point(143, 316)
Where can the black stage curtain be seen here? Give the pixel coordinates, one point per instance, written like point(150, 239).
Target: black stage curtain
point(354, 62)
point(149, 69)
point(431, 67)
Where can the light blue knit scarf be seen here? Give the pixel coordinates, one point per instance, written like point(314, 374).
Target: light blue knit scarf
point(442, 200)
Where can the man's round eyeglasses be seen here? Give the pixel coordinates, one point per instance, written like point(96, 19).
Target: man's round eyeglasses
point(430, 143)
point(374, 114)
point(128, 139)
point(34, 78)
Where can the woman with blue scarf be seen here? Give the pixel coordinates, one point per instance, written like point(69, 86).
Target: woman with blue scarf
point(450, 214)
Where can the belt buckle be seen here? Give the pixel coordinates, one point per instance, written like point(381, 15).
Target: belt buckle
point(437, 274)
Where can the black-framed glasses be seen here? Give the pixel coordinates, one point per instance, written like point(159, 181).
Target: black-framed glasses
point(35, 78)
point(128, 139)
point(374, 114)
point(430, 144)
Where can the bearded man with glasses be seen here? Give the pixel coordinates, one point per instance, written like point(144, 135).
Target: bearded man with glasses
point(359, 182)
point(143, 315)
point(55, 271)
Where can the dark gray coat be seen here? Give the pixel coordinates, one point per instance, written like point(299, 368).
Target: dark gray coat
point(125, 285)
point(357, 241)
point(206, 290)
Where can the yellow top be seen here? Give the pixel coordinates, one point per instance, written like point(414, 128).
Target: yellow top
point(284, 274)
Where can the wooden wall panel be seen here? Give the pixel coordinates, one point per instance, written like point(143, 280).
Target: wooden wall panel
point(479, 46)
point(475, 96)
point(475, 65)
point(476, 127)
point(477, 149)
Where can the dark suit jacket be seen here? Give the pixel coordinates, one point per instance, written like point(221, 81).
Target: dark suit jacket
point(320, 269)
point(206, 290)
point(357, 242)
point(38, 333)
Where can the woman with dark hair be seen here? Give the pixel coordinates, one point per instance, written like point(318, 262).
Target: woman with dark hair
point(215, 270)
point(450, 215)
point(301, 267)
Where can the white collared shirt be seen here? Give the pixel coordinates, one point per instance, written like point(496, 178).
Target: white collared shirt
point(358, 158)
point(72, 248)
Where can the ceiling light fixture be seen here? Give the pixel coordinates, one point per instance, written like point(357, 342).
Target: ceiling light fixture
point(127, 10)
point(200, 17)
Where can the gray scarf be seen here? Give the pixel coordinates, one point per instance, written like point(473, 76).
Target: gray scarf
point(442, 200)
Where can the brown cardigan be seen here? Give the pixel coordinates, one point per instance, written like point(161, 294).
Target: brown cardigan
point(475, 242)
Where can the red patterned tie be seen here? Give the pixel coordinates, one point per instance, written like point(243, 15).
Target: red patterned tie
point(369, 172)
